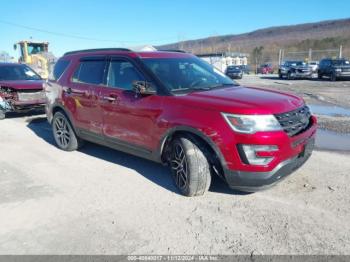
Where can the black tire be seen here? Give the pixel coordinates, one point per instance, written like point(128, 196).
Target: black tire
point(189, 166)
point(280, 76)
point(289, 76)
point(2, 114)
point(320, 76)
point(333, 77)
point(64, 135)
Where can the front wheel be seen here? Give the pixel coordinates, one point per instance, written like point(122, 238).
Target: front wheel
point(189, 166)
point(64, 135)
point(333, 77)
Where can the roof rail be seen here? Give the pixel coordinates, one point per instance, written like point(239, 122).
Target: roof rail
point(96, 50)
point(172, 50)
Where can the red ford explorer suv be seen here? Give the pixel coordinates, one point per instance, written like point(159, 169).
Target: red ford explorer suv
point(175, 109)
point(21, 89)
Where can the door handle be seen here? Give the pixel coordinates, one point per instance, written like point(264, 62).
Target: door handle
point(70, 91)
point(109, 98)
point(79, 92)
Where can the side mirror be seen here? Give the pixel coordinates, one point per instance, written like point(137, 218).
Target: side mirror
point(15, 47)
point(143, 88)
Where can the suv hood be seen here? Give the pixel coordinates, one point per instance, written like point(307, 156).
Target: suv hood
point(23, 84)
point(243, 100)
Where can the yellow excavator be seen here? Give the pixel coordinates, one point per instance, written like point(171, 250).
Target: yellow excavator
point(36, 55)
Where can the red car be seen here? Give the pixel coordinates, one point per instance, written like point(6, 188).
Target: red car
point(265, 69)
point(21, 89)
point(175, 109)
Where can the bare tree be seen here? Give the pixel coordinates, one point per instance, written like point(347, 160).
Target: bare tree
point(4, 56)
point(257, 56)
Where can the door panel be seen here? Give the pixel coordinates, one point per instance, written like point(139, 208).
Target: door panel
point(84, 105)
point(131, 119)
point(82, 96)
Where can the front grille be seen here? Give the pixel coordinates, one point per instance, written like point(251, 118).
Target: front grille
point(296, 121)
point(30, 96)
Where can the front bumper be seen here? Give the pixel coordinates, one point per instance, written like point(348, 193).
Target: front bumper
point(343, 74)
point(255, 181)
point(23, 106)
point(302, 75)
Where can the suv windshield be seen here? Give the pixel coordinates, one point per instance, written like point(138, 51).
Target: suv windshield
point(17, 72)
point(295, 63)
point(233, 68)
point(187, 74)
point(341, 62)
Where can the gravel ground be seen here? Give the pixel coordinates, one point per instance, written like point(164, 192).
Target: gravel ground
point(101, 201)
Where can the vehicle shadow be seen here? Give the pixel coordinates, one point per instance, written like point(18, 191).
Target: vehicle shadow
point(271, 77)
point(154, 172)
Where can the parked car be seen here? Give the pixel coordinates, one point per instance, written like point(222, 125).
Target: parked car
point(313, 65)
point(294, 69)
point(334, 68)
point(21, 89)
point(234, 71)
point(246, 69)
point(176, 109)
point(265, 69)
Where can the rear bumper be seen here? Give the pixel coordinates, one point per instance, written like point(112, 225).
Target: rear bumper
point(256, 181)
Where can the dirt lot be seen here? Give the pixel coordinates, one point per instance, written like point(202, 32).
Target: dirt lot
point(101, 201)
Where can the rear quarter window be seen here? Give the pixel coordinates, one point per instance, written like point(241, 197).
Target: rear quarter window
point(59, 69)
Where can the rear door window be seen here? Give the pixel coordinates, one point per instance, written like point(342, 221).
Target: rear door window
point(90, 72)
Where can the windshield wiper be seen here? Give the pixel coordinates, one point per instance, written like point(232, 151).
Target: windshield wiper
point(223, 85)
point(203, 88)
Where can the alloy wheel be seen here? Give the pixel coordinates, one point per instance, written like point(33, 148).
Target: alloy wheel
point(179, 166)
point(62, 132)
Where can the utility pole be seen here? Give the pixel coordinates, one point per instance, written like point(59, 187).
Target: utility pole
point(280, 57)
point(340, 51)
point(310, 55)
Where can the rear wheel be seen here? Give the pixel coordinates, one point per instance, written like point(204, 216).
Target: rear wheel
point(319, 75)
point(64, 135)
point(189, 166)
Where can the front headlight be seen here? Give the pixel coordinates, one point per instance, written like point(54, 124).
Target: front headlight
point(338, 69)
point(251, 124)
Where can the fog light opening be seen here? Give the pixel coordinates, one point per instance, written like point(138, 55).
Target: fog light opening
point(252, 156)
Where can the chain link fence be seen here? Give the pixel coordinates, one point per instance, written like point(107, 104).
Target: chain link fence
point(312, 55)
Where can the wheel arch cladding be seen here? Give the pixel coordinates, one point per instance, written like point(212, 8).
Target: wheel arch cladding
point(212, 152)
